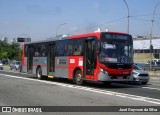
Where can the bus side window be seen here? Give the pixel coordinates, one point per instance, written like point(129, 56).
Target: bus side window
point(70, 49)
point(43, 50)
point(37, 49)
point(78, 47)
point(60, 51)
point(76, 52)
point(37, 52)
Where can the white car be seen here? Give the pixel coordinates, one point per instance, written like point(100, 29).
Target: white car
point(15, 65)
point(140, 75)
point(1, 66)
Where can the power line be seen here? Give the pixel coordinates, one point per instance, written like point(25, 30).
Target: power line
point(157, 22)
point(99, 25)
point(105, 23)
point(142, 15)
point(128, 15)
point(140, 19)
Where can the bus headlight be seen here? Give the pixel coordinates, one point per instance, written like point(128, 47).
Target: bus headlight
point(103, 71)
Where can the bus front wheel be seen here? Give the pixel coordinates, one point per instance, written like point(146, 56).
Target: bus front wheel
point(78, 78)
point(39, 73)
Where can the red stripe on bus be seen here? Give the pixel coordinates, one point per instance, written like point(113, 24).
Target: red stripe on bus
point(61, 66)
point(40, 65)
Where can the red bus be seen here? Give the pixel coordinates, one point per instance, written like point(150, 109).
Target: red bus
point(100, 56)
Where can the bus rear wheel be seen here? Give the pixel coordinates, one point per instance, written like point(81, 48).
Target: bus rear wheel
point(39, 73)
point(78, 78)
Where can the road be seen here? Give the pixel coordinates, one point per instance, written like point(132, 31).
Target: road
point(17, 89)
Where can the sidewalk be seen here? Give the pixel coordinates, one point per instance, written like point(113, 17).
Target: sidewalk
point(154, 73)
point(6, 66)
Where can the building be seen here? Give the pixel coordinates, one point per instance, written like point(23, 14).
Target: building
point(5, 39)
point(14, 40)
point(142, 49)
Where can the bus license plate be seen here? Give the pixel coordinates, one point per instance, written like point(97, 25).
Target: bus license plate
point(119, 77)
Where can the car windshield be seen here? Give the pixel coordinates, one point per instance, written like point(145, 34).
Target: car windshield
point(136, 67)
point(17, 63)
point(140, 64)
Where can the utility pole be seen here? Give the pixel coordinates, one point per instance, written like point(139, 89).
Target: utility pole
point(128, 15)
point(151, 35)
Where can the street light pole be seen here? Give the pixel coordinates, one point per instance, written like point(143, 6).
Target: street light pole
point(151, 35)
point(128, 15)
point(59, 27)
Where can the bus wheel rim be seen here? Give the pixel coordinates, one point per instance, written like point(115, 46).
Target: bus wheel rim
point(79, 77)
point(39, 74)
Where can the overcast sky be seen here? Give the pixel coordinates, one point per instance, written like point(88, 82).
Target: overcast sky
point(39, 19)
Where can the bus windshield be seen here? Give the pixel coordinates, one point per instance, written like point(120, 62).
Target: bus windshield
point(116, 48)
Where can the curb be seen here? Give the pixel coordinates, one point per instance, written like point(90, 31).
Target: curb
point(155, 78)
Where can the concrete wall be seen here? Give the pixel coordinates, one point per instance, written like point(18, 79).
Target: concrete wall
point(142, 57)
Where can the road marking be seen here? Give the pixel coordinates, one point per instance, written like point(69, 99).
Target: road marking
point(122, 95)
point(151, 88)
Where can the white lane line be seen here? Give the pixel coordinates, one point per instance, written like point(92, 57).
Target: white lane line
point(122, 95)
point(151, 88)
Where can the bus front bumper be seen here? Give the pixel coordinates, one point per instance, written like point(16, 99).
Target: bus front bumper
point(113, 78)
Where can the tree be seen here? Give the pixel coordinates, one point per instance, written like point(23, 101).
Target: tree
point(10, 51)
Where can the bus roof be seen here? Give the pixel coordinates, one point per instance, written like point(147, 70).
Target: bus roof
point(97, 34)
point(48, 40)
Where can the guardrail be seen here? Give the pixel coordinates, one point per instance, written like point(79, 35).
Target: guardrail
point(147, 67)
point(154, 73)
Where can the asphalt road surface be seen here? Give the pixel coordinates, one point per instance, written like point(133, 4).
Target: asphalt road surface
point(19, 89)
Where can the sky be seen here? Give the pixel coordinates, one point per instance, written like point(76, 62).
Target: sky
point(41, 19)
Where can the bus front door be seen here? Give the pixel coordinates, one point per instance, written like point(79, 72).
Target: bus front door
point(90, 57)
point(51, 59)
point(30, 59)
